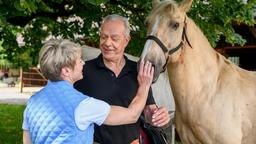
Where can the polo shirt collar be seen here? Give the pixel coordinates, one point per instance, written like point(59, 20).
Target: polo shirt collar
point(127, 67)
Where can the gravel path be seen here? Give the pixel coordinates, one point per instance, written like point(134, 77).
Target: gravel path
point(12, 95)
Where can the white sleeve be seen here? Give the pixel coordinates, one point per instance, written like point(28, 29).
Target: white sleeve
point(25, 124)
point(91, 111)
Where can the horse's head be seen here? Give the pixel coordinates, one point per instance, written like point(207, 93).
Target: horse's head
point(166, 33)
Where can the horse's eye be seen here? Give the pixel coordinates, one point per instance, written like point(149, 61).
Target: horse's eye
point(174, 25)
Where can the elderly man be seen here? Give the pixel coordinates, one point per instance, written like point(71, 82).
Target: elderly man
point(111, 77)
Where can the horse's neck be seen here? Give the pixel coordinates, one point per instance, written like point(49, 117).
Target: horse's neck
point(196, 69)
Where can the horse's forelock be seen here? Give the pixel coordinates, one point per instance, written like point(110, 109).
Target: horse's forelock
point(164, 8)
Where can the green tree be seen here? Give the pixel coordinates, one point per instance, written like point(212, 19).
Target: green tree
point(39, 20)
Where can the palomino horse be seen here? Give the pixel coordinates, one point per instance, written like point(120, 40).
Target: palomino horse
point(215, 99)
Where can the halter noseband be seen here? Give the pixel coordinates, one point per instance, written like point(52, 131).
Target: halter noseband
point(166, 50)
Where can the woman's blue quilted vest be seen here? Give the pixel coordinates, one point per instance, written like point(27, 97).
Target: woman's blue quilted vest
point(50, 115)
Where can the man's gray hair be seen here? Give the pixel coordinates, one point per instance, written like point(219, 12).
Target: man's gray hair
point(118, 17)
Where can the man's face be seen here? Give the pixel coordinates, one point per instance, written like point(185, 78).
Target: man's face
point(113, 40)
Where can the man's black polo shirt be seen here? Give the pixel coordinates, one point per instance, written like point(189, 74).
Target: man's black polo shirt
point(101, 83)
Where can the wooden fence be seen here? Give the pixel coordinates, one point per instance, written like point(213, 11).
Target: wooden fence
point(31, 78)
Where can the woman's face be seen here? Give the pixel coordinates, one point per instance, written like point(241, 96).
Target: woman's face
point(77, 73)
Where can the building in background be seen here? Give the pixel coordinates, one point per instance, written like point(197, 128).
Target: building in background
point(243, 56)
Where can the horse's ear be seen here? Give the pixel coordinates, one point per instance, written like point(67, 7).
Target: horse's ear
point(155, 3)
point(185, 5)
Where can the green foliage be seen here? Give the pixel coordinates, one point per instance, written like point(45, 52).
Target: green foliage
point(97, 2)
point(11, 117)
point(39, 20)
point(217, 17)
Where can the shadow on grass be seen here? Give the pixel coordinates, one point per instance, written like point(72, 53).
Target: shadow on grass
point(11, 117)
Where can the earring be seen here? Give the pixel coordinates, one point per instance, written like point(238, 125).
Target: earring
point(71, 79)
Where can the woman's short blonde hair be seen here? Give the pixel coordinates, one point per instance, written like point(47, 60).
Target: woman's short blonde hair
point(56, 54)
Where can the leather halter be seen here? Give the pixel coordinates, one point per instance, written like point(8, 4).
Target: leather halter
point(169, 50)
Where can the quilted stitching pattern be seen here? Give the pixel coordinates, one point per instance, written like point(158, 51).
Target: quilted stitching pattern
point(51, 115)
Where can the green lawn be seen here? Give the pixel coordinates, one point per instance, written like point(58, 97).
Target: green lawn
point(11, 117)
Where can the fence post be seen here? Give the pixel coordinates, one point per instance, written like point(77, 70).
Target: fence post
point(21, 79)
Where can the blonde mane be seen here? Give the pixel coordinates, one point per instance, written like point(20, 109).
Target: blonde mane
point(164, 8)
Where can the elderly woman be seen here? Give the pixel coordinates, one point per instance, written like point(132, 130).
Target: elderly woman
point(60, 114)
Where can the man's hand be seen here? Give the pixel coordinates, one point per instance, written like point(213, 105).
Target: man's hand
point(156, 116)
